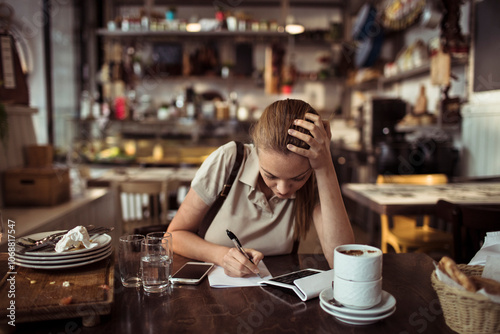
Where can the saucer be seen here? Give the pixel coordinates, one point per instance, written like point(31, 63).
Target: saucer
point(356, 319)
point(387, 303)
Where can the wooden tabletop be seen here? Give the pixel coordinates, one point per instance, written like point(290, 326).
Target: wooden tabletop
point(84, 292)
point(394, 199)
point(202, 309)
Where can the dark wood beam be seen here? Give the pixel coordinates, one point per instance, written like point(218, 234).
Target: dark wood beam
point(47, 48)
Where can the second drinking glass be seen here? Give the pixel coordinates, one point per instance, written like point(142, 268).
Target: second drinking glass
point(156, 262)
point(129, 257)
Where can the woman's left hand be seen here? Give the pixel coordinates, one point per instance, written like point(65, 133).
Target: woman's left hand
point(319, 141)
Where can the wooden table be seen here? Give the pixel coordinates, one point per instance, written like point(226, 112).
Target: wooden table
point(403, 199)
point(84, 292)
point(201, 309)
point(406, 199)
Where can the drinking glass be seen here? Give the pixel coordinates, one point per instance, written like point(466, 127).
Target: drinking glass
point(161, 236)
point(155, 264)
point(129, 257)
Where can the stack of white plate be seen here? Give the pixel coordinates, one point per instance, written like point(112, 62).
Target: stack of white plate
point(67, 259)
point(382, 310)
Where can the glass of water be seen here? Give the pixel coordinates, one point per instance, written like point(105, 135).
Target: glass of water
point(155, 264)
point(166, 239)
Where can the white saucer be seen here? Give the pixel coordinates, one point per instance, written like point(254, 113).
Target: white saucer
point(102, 241)
point(387, 303)
point(65, 266)
point(356, 319)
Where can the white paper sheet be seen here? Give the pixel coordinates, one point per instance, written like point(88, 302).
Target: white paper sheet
point(218, 279)
point(492, 267)
point(491, 247)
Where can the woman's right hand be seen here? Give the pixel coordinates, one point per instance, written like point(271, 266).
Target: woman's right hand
point(237, 265)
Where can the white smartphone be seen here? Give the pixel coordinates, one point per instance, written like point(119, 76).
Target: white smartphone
point(192, 272)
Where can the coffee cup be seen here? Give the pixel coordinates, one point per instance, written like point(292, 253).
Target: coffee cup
point(358, 275)
point(357, 295)
point(360, 263)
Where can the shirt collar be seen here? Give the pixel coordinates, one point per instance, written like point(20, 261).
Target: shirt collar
point(250, 173)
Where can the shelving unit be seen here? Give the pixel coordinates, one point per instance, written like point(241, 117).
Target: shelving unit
point(247, 3)
point(183, 34)
point(405, 86)
point(413, 73)
point(430, 127)
point(422, 70)
point(116, 10)
point(147, 48)
point(182, 128)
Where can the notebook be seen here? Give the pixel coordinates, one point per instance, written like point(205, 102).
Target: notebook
point(218, 279)
point(306, 283)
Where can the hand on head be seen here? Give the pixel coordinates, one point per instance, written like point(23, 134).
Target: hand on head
point(318, 141)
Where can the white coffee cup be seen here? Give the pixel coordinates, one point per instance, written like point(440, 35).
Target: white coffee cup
point(357, 295)
point(360, 263)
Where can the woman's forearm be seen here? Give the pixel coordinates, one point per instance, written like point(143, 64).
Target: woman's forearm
point(330, 218)
point(190, 245)
point(185, 241)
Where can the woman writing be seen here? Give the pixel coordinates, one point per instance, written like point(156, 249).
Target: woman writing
point(286, 181)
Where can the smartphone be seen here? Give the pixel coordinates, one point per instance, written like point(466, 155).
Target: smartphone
point(192, 272)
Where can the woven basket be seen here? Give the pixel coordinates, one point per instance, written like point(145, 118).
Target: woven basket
point(465, 311)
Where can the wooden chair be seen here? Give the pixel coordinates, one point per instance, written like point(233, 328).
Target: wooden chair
point(470, 223)
point(403, 232)
point(142, 203)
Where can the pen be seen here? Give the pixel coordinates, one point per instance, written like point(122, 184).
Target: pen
point(238, 246)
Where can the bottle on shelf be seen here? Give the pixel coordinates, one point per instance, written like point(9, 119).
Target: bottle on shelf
point(233, 105)
point(190, 103)
point(421, 104)
point(85, 105)
point(121, 108)
point(158, 152)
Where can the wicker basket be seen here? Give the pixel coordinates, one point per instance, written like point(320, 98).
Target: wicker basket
point(465, 311)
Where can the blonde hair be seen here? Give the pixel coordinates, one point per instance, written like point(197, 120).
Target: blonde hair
point(271, 132)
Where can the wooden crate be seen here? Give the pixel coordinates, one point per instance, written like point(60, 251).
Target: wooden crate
point(39, 156)
point(36, 186)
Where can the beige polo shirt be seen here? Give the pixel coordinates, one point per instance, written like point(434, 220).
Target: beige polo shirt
point(266, 226)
